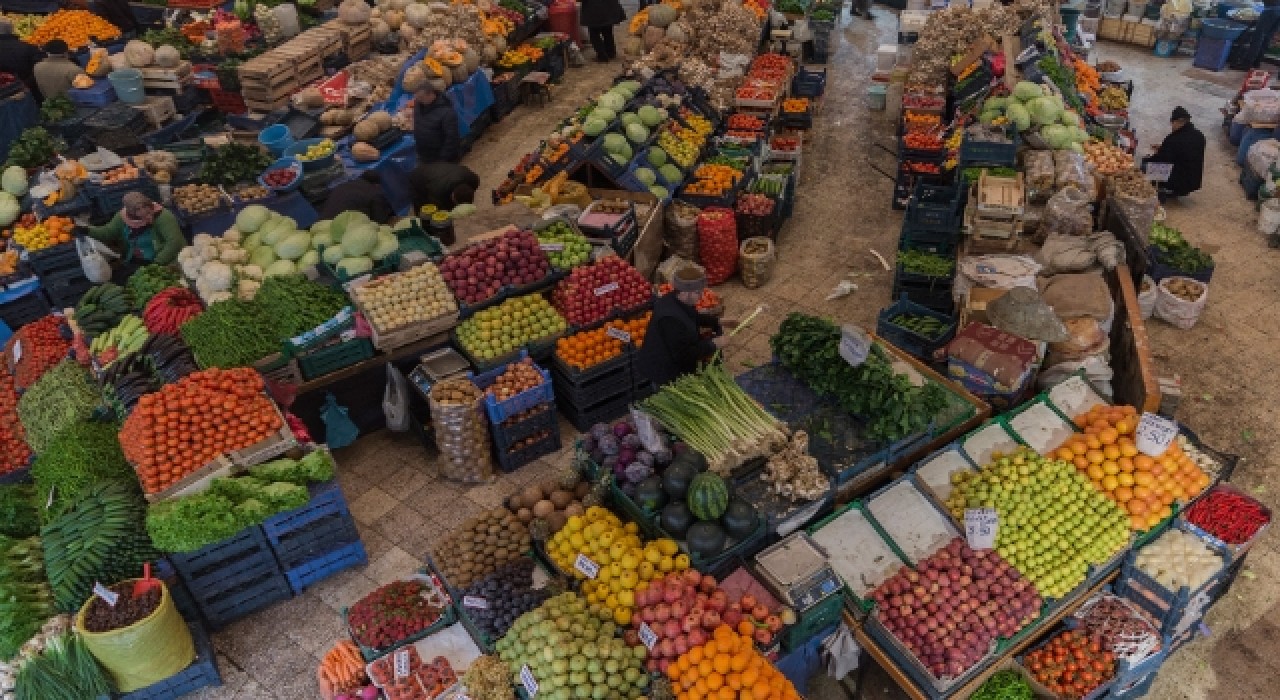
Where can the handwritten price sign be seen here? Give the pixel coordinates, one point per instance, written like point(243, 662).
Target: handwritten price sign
point(980, 527)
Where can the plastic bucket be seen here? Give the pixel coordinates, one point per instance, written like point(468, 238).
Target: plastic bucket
point(877, 95)
point(128, 85)
point(1166, 47)
point(276, 139)
point(1070, 21)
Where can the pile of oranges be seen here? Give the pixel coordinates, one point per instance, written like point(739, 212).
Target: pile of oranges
point(38, 235)
point(587, 349)
point(75, 27)
point(727, 667)
point(1145, 487)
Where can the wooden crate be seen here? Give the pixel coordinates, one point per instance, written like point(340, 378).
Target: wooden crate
point(1142, 34)
point(1111, 29)
point(1000, 197)
point(158, 110)
point(352, 35)
point(267, 77)
point(269, 105)
point(176, 78)
point(324, 41)
point(306, 61)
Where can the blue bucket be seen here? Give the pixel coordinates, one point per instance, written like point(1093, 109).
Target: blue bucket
point(276, 139)
point(128, 85)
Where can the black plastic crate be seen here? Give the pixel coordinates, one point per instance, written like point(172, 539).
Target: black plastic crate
point(108, 200)
point(75, 206)
point(938, 299)
point(118, 116)
point(233, 578)
point(975, 153)
point(25, 309)
point(914, 343)
point(935, 208)
point(583, 395)
point(66, 287)
point(54, 258)
point(332, 358)
point(509, 461)
point(589, 375)
point(508, 432)
point(603, 412)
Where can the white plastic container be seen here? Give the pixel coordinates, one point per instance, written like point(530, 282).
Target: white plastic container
point(886, 57)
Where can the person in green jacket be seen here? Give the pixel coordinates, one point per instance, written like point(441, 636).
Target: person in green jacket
point(144, 232)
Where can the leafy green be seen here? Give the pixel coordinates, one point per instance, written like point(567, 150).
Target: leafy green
point(189, 523)
point(24, 607)
point(61, 397)
point(893, 407)
point(64, 671)
point(18, 515)
point(284, 496)
point(234, 162)
point(1174, 250)
point(34, 148)
point(316, 466)
point(56, 109)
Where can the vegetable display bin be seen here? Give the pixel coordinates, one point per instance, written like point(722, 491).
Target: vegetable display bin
point(283, 164)
point(913, 342)
point(501, 410)
point(510, 431)
point(509, 460)
point(22, 303)
point(1170, 609)
point(202, 673)
point(300, 147)
point(100, 95)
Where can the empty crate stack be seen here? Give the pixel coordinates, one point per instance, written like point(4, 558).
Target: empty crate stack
point(315, 541)
point(60, 274)
point(599, 393)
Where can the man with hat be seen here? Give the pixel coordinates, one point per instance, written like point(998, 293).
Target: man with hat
point(19, 58)
point(1183, 148)
point(435, 127)
point(55, 73)
point(675, 343)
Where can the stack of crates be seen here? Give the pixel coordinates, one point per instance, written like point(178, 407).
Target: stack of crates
point(315, 541)
point(524, 427)
point(597, 394)
point(60, 274)
point(232, 578)
point(22, 302)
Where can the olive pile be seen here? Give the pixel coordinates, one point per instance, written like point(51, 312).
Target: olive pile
point(102, 617)
point(508, 593)
point(481, 545)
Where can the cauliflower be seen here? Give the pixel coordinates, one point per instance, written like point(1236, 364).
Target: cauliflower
point(232, 256)
point(216, 276)
point(189, 263)
point(232, 235)
point(201, 239)
point(253, 272)
point(247, 289)
point(215, 297)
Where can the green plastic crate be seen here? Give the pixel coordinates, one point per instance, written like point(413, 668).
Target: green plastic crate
point(813, 621)
point(332, 358)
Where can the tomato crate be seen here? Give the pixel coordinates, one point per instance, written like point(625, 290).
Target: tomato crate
point(267, 448)
point(1099, 692)
point(913, 342)
point(331, 358)
point(230, 579)
point(509, 460)
point(201, 673)
point(23, 303)
point(501, 410)
point(1172, 610)
point(541, 418)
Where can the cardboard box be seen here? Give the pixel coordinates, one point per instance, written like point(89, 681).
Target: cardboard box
point(975, 304)
point(647, 252)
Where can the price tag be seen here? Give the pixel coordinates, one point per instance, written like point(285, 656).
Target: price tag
point(647, 636)
point(1159, 172)
point(618, 334)
point(107, 595)
point(552, 247)
point(587, 567)
point(334, 90)
point(606, 288)
point(49, 503)
point(980, 527)
point(528, 681)
point(402, 663)
point(1154, 434)
point(470, 601)
point(855, 345)
point(17, 351)
point(647, 430)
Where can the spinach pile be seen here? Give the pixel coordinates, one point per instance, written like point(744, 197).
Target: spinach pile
point(34, 148)
point(56, 109)
point(234, 162)
point(892, 406)
point(1174, 250)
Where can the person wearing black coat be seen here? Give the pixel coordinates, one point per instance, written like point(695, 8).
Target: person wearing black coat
point(1184, 149)
point(435, 127)
point(599, 17)
point(363, 194)
point(674, 343)
point(19, 58)
point(445, 185)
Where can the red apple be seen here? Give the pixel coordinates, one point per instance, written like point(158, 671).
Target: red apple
point(763, 636)
point(710, 619)
point(708, 584)
point(773, 622)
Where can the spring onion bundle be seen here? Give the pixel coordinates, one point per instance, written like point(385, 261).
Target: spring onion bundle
point(710, 412)
point(64, 671)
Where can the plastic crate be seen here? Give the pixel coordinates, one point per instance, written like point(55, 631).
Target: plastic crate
point(501, 410)
point(324, 566)
point(1238, 551)
point(331, 358)
point(1168, 608)
point(306, 532)
point(75, 206)
point(809, 83)
point(108, 200)
point(812, 621)
point(599, 389)
point(1100, 691)
point(100, 94)
point(914, 343)
point(606, 410)
point(993, 153)
point(509, 461)
point(233, 578)
point(1160, 269)
point(65, 288)
point(448, 616)
point(118, 116)
point(202, 673)
point(935, 208)
point(228, 102)
point(509, 431)
point(1212, 53)
point(28, 306)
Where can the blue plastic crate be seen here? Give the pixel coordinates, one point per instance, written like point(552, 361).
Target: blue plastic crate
point(75, 206)
point(509, 461)
point(911, 341)
point(100, 95)
point(322, 567)
point(322, 525)
point(976, 153)
point(202, 673)
point(501, 410)
point(934, 208)
point(1168, 608)
point(509, 431)
point(809, 83)
point(1212, 53)
point(233, 578)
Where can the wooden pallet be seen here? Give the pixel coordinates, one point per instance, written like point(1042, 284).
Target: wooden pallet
point(269, 74)
point(266, 105)
point(158, 110)
point(176, 78)
point(358, 51)
point(324, 40)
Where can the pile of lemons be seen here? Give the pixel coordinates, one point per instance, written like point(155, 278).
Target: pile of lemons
point(622, 564)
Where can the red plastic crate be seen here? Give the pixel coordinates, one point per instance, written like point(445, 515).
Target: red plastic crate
point(228, 102)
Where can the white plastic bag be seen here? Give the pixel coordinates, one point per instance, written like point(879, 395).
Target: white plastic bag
point(841, 652)
point(1176, 310)
point(1262, 155)
point(1147, 299)
point(93, 259)
point(395, 400)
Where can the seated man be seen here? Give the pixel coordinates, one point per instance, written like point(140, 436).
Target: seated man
point(445, 185)
point(1183, 148)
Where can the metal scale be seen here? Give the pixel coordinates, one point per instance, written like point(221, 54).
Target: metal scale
point(797, 572)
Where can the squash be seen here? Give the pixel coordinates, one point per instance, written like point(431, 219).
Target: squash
point(662, 15)
point(118, 61)
point(366, 130)
point(415, 77)
point(337, 117)
point(379, 28)
point(705, 540)
point(708, 496)
point(382, 119)
point(393, 18)
point(417, 15)
point(364, 153)
point(675, 519)
point(99, 63)
point(471, 59)
point(167, 57)
point(82, 81)
point(139, 53)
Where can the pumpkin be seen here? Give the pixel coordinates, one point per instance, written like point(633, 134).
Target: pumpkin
point(366, 130)
point(82, 82)
point(364, 153)
point(471, 60)
point(139, 53)
point(678, 32)
point(415, 77)
point(708, 496)
point(98, 65)
point(167, 57)
point(662, 15)
point(434, 67)
point(675, 519)
point(354, 12)
point(417, 15)
point(705, 540)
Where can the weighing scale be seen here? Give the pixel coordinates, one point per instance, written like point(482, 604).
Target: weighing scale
point(797, 572)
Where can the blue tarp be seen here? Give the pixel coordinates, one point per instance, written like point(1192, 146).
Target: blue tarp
point(470, 99)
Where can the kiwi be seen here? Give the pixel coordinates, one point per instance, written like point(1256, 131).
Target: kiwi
point(531, 494)
point(525, 515)
point(574, 508)
point(561, 499)
point(543, 508)
point(557, 520)
point(581, 490)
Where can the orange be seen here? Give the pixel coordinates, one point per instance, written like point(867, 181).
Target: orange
point(1122, 494)
point(705, 667)
point(1095, 472)
point(1108, 435)
point(1110, 482)
point(1079, 447)
point(1125, 464)
point(1093, 442)
point(734, 681)
point(1126, 479)
point(726, 693)
point(1081, 463)
point(1137, 522)
point(673, 672)
point(745, 628)
point(715, 682)
point(694, 655)
point(1064, 453)
point(1110, 467)
point(1127, 448)
point(739, 661)
point(760, 690)
point(1143, 478)
point(1095, 456)
point(749, 677)
point(1153, 519)
point(721, 663)
point(1143, 463)
point(1136, 506)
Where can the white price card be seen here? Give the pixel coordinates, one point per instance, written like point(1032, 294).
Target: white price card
point(551, 247)
point(647, 430)
point(587, 567)
point(647, 636)
point(606, 288)
point(470, 601)
point(1159, 172)
point(528, 681)
point(855, 345)
point(980, 527)
point(106, 594)
point(1154, 434)
point(402, 663)
point(618, 334)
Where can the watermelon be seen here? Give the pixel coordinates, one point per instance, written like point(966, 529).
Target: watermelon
point(708, 496)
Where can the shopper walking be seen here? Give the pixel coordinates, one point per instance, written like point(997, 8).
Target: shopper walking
point(435, 127)
point(599, 17)
point(54, 74)
point(19, 58)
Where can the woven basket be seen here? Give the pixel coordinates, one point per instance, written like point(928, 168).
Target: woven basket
point(755, 261)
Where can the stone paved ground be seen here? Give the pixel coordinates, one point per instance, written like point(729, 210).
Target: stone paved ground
point(842, 215)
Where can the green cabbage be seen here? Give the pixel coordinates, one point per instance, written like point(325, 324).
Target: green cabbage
point(280, 267)
point(332, 255)
point(294, 246)
point(9, 208)
point(1057, 135)
point(262, 256)
point(251, 242)
point(387, 244)
point(251, 218)
point(338, 227)
point(611, 100)
point(1019, 115)
point(14, 181)
point(1027, 91)
point(629, 118)
point(994, 103)
point(359, 238)
point(1043, 111)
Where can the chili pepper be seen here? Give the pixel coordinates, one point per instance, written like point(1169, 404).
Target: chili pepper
point(1232, 517)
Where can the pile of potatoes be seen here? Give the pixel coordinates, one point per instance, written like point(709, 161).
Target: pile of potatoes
point(197, 199)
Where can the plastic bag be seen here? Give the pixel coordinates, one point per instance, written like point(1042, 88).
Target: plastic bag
point(1147, 295)
point(755, 261)
point(395, 400)
point(841, 652)
point(1067, 214)
point(146, 652)
point(1039, 167)
point(1060, 253)
point(1262, 155)
point(1086, 338)
point(718, 244)
point(93, 259)
point(667, 270)
point(733, 65)
point(339, 430)
point(461, 430)
point(1178, 311)
point(994, 272)
point(1141, 212)
point(1069, 169)
point(1260, 106)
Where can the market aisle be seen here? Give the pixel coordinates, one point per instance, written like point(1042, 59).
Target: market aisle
point(843, 213)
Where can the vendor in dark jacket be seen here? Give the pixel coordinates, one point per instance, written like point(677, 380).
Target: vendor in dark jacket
point(674, 343)
point(363, 194)
point(443, 185)
point(19, 58)
point(1184, 149)
point(599, 17)
point(435, 127)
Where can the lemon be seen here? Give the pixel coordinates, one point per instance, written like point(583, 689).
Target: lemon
point(626, 599)
point(574, 523)
point(667, 546)
point(666, 564)
point(577, 540)
point(682, 562)
point(631, 528)
point(646, 571)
